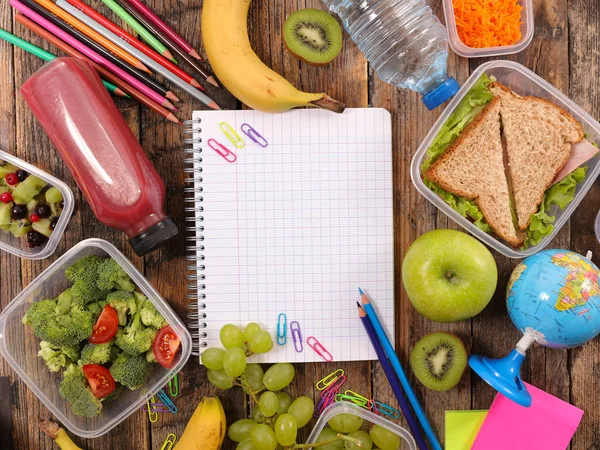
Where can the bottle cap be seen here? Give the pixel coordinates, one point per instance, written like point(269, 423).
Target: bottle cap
point(152, 238)
point(440, 94)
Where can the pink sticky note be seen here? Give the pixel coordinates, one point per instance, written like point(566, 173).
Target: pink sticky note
point(548, 424)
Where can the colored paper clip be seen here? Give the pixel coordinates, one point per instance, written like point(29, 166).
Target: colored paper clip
point(349, 398)
point(387, 410)
point(169, 442)
point(254, 135)
point(312, 342)
point(372, 406)
point(357, 399)
point(335, 386)
point(296, 336)
point(328, 399)
point(281, 329)
point(156, 407)
point(232, 135)
point(152, 415)
point(318, 408)
point(174, 386)
point(167, 401)
point(227, 154)
point(325, 382)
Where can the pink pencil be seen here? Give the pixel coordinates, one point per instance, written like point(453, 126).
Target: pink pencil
point(146, 12)
point(26, 11)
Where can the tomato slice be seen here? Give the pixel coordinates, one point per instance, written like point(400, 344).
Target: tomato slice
point(100, 380)
point(106, 326)
point(165, 346)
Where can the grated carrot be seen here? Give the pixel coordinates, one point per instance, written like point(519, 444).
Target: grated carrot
point(488, 23)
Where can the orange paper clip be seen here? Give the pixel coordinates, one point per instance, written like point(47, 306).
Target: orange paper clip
point(227, 154)
point(312, 342)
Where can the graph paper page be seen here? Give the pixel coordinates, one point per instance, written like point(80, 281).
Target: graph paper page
point(297, 227)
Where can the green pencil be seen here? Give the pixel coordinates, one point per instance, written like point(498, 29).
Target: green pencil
point(46, 56)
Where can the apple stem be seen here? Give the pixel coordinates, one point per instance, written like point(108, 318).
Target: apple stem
point(449, 275)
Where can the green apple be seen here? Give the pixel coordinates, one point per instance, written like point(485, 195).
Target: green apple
point(449, 275)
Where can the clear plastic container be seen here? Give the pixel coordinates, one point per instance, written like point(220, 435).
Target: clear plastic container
point(408, 442)
point(19, 346)
point(524, 82)
point(18, 245)
point(527, 28)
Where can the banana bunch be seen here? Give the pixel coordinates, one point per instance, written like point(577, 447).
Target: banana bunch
point(206, 428)
point(225, 38)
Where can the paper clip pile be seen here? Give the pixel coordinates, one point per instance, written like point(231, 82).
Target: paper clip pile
point(329, 387)
point(153, 407)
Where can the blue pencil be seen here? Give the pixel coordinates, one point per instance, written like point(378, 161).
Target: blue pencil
point(391, 376)
point(391, 354)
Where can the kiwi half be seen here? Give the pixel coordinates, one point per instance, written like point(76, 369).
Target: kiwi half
point(313, 36)
point(439, 360)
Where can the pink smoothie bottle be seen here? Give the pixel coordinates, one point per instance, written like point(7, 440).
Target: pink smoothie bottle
point(111, 168)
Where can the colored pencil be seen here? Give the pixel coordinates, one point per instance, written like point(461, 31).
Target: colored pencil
point(93, 35)
point(166, 29)
point(141, 97)
point(139, 29)
point(156, 66)
point(92, 13)
point(393, 357)
point(47, 56)
point(28, 8)
point(391, 376)
point(168, 42)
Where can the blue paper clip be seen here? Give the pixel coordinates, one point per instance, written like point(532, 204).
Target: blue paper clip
point(167, 401)
point(232, 135)
point(387, 410)
point(296, 336)
point(227, 154)
point(169, 442)
point(281, 329)
point(254, 135)
point(174, 386)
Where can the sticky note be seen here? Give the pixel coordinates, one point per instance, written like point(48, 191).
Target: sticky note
point(462, 428)
point(548, 424)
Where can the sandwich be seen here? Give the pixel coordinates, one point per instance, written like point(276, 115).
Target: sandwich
point(503, 161)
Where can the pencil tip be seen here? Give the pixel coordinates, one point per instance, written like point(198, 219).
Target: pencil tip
point(212, 81)
point(196, 84)
point(361, 291)
point(195, 54)
point(172, 96)
point(167, 54)
point(167, 104)
point(213, 105)
point(358, 305)
point(173, 119)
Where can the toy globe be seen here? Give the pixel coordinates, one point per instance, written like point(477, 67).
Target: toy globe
point(553, 298)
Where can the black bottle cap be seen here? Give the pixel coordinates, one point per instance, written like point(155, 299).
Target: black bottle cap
point(153, 237)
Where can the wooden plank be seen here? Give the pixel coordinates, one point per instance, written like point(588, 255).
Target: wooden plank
point(6, 421)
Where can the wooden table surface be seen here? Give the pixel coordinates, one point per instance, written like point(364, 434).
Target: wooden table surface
point(565, 51)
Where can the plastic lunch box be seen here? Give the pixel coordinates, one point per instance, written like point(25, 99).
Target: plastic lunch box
point(408, 442)
point(527, 27)
point(19, 346)
point(18, 246)
point(524, 82)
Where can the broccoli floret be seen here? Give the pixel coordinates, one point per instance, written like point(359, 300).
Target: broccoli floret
point(74, 388)
point(124, 303)
point(135, 338)
point(72, 352)
point(96, 353)
point(54, 358)
point(38, 311)
point(150, 357)
point(84, 274)
point(150, 315)
point(131, 370)
point(81, 268)
point(112, 276)
point(114, 394)
point(96, 309)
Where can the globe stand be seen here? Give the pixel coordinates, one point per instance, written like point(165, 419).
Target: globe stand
point(504, 374)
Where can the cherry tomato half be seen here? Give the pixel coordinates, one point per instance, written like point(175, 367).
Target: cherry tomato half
point(106, 326)
point(165, 346)
point(101, 381)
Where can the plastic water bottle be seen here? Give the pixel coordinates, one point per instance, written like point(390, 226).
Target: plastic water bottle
point(405, 43)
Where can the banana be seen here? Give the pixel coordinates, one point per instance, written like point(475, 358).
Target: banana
point(225, 38)
point(206, 428)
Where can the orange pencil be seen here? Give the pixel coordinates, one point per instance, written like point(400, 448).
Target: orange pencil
point(75, 23)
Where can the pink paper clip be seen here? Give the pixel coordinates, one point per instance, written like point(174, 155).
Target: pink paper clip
point(227, 154)
point(312, 342)
point(335, 386)
point(372, 406)
point(296, 336)
point(328, 400)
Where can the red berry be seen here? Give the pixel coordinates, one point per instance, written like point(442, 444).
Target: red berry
point(34, 218)
point(11, 179)
point(6, 197)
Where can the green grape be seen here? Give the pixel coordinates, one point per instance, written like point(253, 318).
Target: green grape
point(250, 330)
point(239, 431)
point(219, 378)
point(212, 358)
point(268, 404)
point(263, 438)
point(257, 416)
point(261, 342)
point(302, 409)
point(234, 362)
point(345, 423)
point(385, 439)
point(284, 402)
point(231, 337)
point(363, 437)
point(279, 376)
point(246, 445)
point(326, 435)
point(254, 377)
point(286, 429)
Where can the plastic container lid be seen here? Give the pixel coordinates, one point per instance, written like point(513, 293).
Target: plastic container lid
point(440, 94)
point(153, 237)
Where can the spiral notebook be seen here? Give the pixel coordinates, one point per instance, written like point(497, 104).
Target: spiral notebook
point(292, 227)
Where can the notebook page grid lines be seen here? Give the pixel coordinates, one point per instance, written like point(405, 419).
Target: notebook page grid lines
point(297, 226)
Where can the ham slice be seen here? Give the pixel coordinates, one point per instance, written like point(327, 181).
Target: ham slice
point(580, 153)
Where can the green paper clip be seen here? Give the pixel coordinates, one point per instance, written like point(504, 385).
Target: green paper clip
point(174, 386)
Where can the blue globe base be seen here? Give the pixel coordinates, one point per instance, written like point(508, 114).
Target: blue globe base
point(504, 375)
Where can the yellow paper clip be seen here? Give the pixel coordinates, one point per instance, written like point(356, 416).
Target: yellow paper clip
point(174, 386)
point(349, 398)
point(357, 398)
point(169, 442)
point(232, 135)
point(152, 415)
point(329, 379)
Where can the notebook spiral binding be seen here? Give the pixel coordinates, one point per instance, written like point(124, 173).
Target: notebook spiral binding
point(193, 230)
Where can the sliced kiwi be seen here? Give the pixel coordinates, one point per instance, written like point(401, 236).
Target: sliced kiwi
point(6, 168)
point(313, 36)
point(439, 360)
point(5, 218)
point(20, 228)
point(26, 190)
point(53, 195)
point(42, 226)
